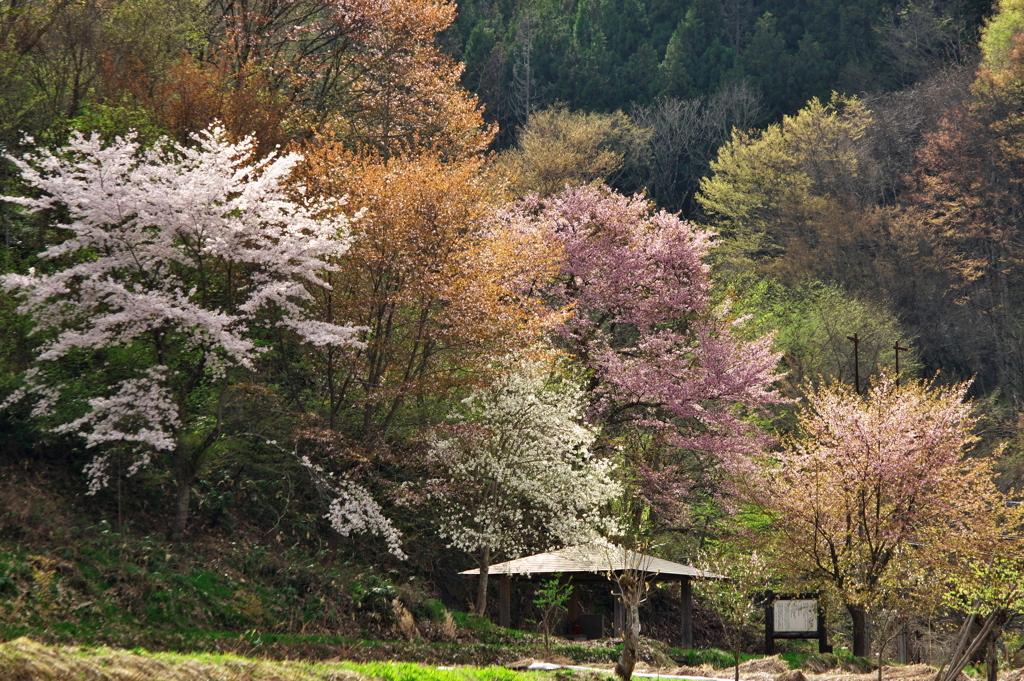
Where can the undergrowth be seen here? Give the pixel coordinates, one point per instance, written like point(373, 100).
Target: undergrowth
point(102, 583)
point(96, 587)
point(808, 660)
point(822, 662)
point(715, 657)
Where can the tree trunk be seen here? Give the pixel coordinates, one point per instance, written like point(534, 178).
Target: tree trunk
point(992, 644)
point(861, 633)
point(992, 658)
point(333, 541)
point(481, 590)
point(631, 590)
point(963, 652)
point(182, 493)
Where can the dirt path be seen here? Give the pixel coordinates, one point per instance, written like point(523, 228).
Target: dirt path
point(771, 669)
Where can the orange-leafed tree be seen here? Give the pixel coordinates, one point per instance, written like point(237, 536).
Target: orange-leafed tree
point(370, 71)
point(192, 94)
point(404, 91)
point(440, 284)
point(367, 72)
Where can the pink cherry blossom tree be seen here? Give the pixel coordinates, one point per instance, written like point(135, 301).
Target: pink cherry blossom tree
point(875, 494)
point(673, 379)
point(175, 259)
point(660, 357)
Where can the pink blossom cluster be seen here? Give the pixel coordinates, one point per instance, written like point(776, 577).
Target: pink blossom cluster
point(877, 496)
point(662, 356)
point(901, 448)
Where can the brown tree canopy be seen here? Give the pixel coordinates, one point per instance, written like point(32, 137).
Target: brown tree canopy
point(962, 229)
point(439, 283)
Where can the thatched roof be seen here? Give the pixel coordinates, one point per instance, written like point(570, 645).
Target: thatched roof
point(597, 558)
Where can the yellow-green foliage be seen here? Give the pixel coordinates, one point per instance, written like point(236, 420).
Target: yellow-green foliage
point(998, 36)
point(777, 173)
point(559, 147)
point(407, 671)
point(786, 190)
point(812, 323)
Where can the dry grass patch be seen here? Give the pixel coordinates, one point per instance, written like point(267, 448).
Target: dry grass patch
point(25, 660)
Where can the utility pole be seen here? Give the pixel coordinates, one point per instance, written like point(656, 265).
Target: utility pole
point(898, 349)
point(856, 361)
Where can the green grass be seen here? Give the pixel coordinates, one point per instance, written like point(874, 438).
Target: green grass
point(404, 671)
point(717, 658)
point(27, 659)
point(818, 662)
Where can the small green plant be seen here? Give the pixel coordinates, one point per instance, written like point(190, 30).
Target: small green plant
point(732, 594)
point(715, 657)
point(371, 593)
point(551, 598)
point(582, 654)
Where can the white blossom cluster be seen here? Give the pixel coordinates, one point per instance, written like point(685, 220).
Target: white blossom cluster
point(175, 249)
point(142, 413)
point(521, 475)
point(46, 395)
point(353, 510)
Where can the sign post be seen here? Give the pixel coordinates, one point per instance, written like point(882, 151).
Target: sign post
point(794, 617)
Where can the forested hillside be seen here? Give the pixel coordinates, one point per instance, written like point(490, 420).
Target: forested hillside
point(307, 305)
point(603, 55)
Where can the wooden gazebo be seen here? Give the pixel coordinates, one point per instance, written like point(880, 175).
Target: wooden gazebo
point(596, 562)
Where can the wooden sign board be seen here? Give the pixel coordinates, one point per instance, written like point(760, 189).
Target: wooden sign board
point(793, 617)
point(797, 616)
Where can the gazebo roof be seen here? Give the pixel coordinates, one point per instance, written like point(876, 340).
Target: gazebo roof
point(597, 558)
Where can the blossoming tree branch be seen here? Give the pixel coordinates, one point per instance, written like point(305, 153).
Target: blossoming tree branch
point(176, 260)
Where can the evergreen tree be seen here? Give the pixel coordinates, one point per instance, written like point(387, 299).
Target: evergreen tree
point(765, 61)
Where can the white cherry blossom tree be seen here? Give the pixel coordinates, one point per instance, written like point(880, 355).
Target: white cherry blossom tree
point(176, 259)
point(519, 473)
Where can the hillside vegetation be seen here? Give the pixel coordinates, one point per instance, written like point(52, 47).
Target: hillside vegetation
point(309, 305)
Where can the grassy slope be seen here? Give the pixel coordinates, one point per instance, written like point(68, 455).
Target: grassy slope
point(24, 659)
point(90, 586)
point(68, 579)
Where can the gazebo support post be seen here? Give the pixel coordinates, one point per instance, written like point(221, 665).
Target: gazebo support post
point(618, 616)
point(686, 596)
point(504, 601)
point(573, 606)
